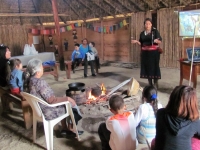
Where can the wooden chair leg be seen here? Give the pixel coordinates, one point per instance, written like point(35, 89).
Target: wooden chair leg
point(69, 66)
point(56, 76)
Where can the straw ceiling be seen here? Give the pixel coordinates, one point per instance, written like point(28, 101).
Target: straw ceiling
point(40, 11)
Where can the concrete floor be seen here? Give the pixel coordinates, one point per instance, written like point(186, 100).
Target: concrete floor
point(14, 137)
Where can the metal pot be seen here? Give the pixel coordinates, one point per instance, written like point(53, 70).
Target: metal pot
point(96, 91)
point(77, 86)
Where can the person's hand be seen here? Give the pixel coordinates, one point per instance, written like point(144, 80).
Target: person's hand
point(134, 41)
point(71, 101)
point(157, 41)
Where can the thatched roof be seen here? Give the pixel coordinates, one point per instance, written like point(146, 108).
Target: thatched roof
point(40, 11)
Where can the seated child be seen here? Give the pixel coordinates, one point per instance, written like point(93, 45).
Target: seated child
point(145, 118)
point(77, 57)
point(118, 133)
point(15, 76)
point(94, 50)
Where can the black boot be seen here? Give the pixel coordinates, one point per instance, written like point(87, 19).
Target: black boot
point(150, 81)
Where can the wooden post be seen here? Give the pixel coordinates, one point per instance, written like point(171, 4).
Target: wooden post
point(82, 31)
point(130, 29)
point(60, 51)
point(102, 49)
point(84, 27)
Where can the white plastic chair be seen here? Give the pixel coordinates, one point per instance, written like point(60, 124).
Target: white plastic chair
point(48, 124)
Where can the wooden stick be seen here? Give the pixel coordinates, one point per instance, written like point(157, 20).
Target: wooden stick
point(119, 86)
point(191, 66)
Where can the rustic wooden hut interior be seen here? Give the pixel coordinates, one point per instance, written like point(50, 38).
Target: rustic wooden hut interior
point(111, 24)
point(18, 17)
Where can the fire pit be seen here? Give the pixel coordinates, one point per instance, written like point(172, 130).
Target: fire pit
point(93, 103)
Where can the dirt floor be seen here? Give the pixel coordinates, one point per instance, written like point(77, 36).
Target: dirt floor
point(15, 137)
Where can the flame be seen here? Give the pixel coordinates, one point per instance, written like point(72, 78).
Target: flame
point(103, 92)
point(103, 89)
point(91, 97)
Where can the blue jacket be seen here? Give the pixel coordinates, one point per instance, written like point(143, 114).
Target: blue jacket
point(84, 50)
point(77, 54)
point(16, 80)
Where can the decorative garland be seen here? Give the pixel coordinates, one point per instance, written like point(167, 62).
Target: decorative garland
point(100, 29)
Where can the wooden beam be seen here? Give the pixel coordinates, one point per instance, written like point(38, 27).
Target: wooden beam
point(59, 16)
point(60, 51)
point(111, 5)
point(85, 5)
point(137, 6)
point(149, 4)
point(36, 10)
point(28, 14)
point(102, 8)
point(19, 12)
point(122, 3)
point(101, 39)
point(164, 3)
point(72, 8)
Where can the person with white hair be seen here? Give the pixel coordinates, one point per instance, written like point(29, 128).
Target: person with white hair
point(40, 88)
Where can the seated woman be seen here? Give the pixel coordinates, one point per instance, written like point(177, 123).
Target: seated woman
point(42, 90)
point(5, 55)
point(145, 117)
point(179, 121)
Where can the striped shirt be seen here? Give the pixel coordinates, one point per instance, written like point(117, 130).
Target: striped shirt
point(145, 122)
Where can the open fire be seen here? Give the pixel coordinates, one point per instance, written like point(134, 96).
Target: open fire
point(96, 93)
point(99, 94)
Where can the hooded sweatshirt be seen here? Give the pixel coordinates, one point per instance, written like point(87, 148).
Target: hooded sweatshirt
point(173, 133)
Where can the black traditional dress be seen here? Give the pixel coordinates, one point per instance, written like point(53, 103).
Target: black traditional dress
point(150, 55)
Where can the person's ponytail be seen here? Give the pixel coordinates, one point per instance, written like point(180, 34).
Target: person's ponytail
point(155, 106)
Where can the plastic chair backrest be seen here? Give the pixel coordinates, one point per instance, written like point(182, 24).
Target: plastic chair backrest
point(33, 101)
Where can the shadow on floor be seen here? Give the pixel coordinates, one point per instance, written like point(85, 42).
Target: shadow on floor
point(20, 133)
point(112, 75)
point(81, 145)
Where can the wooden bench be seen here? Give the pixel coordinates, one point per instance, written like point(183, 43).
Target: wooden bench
point(53, 72)
point(7, 99)
point(68, 68)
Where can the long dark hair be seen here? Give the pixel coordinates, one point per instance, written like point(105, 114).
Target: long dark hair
point(148, 19)
point(150, 93)
point(3, 51)
point(4, 66)
point(183, 103)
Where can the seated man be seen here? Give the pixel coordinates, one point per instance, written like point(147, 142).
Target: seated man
point(77, 57)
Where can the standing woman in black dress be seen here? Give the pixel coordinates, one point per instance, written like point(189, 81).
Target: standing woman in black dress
point(150, 55)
